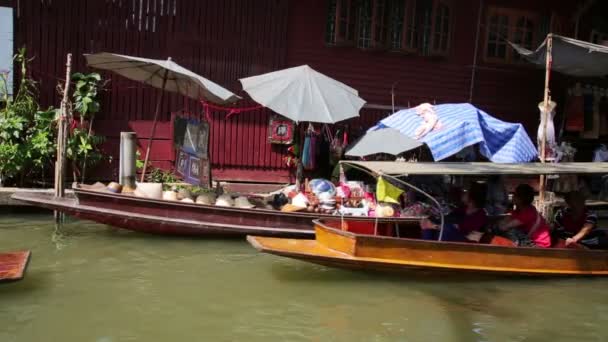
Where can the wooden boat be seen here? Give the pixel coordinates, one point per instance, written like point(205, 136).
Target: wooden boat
point(336, 247)
point(337, 244)
point(13, 265)
point(185, 219)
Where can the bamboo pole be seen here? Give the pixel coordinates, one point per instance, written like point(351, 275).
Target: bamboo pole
point(547, 99)
point(159, 104)
point(62, 131)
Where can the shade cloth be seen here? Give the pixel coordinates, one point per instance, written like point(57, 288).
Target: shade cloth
point(154, 71)
point(570, 56)
point(387, 140)
point(476, 169)
point(463, 125)
point(303, 94)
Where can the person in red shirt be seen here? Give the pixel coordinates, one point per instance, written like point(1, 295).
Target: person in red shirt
point(577, 224)
point(465, 223)
point(526, 227)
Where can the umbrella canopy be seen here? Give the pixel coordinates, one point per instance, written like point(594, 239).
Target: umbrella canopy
point(386, 140)
point(303, 94)
point(162, 74)
point(570, 56)
point(462, 125)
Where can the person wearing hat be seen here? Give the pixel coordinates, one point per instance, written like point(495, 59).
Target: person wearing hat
point(577, 224)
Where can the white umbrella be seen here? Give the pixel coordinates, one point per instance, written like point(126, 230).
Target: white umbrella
point(385, 140)
point(303, 94)
point(162, 74)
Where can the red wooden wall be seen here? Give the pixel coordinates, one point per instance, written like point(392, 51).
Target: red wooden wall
point(507, 91)
point(228, 39)
point(221, 40)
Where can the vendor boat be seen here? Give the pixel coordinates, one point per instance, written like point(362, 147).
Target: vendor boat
point(344, 244)
point(186, 219)
point(336, 246)
point(13, 265)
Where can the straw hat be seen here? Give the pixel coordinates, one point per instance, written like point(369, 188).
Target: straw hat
point(205, 199)
point(224, 201)
point(243, 202)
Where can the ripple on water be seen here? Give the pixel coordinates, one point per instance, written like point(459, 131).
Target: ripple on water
point(89, 283)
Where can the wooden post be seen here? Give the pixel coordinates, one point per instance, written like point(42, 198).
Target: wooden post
point(547, 99)
point(62, 131)
point(159, 104)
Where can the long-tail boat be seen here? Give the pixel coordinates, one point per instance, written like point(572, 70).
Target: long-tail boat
point(336, 247)
point(184, 219)
point(13, 265)
point(338, 244)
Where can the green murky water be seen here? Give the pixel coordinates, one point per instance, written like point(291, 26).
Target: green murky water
point(87, 282)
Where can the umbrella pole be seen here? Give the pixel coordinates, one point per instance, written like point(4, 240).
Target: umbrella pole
point(543, 147)
point(159, 104)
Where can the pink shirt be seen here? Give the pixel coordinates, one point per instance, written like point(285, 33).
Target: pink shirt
point(528, 217)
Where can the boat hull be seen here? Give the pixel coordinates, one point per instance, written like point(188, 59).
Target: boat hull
point(336, 248)
point(13, 265)
point(181, 219)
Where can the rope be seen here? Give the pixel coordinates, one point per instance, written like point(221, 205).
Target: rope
point(231, 110)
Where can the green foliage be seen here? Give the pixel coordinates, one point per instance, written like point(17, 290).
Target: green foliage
point(26, 133)
point(83, 145)
point(85, 94)
point(159, 176)
point(139, 163)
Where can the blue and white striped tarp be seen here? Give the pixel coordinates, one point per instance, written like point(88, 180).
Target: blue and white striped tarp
point(463, 125)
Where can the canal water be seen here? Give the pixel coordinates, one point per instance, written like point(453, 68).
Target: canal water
point(87, 282)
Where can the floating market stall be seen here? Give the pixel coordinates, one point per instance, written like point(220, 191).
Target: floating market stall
point(337, 245)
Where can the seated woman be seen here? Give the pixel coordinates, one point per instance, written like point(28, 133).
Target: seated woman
point(576, 224)
point(526, 227)
point(465, 223)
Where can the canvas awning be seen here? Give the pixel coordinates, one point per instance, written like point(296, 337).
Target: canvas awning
point(570, 56)
point(479, 169)
point(461, 125)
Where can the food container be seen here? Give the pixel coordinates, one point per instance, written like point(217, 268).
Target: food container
point(149, 190)
point(114, 188)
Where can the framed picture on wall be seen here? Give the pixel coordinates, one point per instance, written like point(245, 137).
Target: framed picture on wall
point(280, 131)
point(182, 163)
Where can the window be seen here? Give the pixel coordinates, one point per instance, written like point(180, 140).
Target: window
point(505, 25)
point(403, 34)
point(341, 22)
point(422, 26)
point(372, 32)
point(441, 28)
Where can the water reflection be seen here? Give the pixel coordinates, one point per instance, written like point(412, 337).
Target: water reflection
point(88, 282)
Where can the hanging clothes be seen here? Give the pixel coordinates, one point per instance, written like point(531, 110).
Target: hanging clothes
point(550, 137)
point(575, 111)
point(603, 113)
point(588, 109)
point(309, 152)
point(594, 131)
